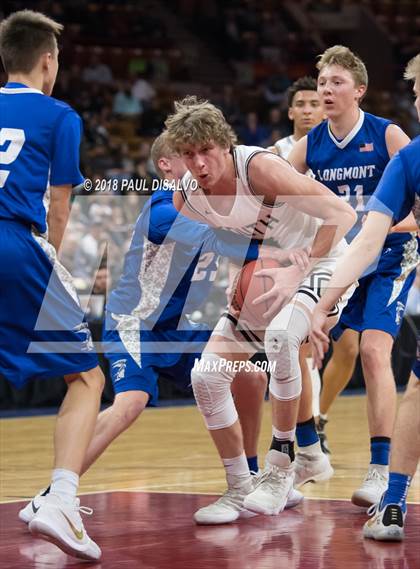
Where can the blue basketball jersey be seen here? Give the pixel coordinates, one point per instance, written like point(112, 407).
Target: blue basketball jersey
point(352, 167)
point(39, 147)
point(398, 192)
point(171, 263)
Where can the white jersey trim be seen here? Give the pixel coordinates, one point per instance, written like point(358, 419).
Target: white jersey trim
point(347, 139)
point(19, 90)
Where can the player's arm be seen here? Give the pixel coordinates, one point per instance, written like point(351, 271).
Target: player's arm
point(167, 223)
point(64, 172)
point(186, 208)
point(396, 139)
point(297, 156)
point(385, 205)
point(407, 225)
point(361, 253)
point(58, 213)
point(275, 180)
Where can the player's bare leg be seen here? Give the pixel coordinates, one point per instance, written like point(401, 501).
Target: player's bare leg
point(228, 440)
point(388, 518)
point(336, 376)
point(248, 389)
point(214, 398)
point(283, 338)
point(339, 369)
point(212, 391)
point(57, 518)
point(311, 464)
point(406, 436)
point(77, 418)
point(126, 408)
point(375, 353)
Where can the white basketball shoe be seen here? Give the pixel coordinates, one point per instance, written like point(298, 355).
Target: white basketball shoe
point(60, 523)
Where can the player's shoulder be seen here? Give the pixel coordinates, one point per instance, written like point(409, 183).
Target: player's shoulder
point(60, 108)
point(54, 110)
point(242, 155)
point(316, 133)
point(284, 145)
point(410, 154)
point(161, 196)
point(161, 204)
point(376, 121)
point(412, 149)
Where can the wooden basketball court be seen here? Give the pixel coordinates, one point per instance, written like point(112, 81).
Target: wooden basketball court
point(146, 487)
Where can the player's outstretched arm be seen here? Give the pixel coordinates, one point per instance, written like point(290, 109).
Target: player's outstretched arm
point(361, 253)
point(58, 213)
point(166, 223)
point(275, 180)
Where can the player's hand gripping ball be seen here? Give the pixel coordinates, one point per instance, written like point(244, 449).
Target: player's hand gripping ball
point(247, 287)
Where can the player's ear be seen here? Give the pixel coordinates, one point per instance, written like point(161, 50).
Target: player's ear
point(164, 164)
point(290, 113)
point(361, 92)
point(45, 60)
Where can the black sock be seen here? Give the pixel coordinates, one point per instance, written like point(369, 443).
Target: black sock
point(285, 446)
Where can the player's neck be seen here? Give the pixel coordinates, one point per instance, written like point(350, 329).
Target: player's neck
point(297, 135)
point(30, 80)
point(342, 125)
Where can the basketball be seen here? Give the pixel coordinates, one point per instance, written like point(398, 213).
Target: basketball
point(248, 287)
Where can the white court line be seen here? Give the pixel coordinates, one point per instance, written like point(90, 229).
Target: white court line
point(154, 490)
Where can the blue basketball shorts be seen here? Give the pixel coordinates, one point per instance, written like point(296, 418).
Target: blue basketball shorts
point(138, 357)
point(378, 303)
point(42, 331)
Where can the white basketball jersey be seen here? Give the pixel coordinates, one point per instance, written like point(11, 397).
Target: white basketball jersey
point(284, 146)
point(287, 226)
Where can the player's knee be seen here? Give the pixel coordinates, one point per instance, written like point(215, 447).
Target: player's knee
point(128, 406)
point(374, 356)
point(211, 381)
point(258, 381)
point(412, 392)
point(98, 380)
point(347, 354)
point(282, 348)
point(93, 379)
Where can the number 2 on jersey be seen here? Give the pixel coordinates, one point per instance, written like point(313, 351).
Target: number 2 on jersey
point(15, 137)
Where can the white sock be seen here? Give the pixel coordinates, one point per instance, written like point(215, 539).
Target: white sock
point(316, 387)
point(284, 435)
point(64, 483)
point(323, 417)
point(314, 449)
point(237, 466)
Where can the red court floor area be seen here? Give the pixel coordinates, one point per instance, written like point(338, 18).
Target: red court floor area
point(151, 531)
